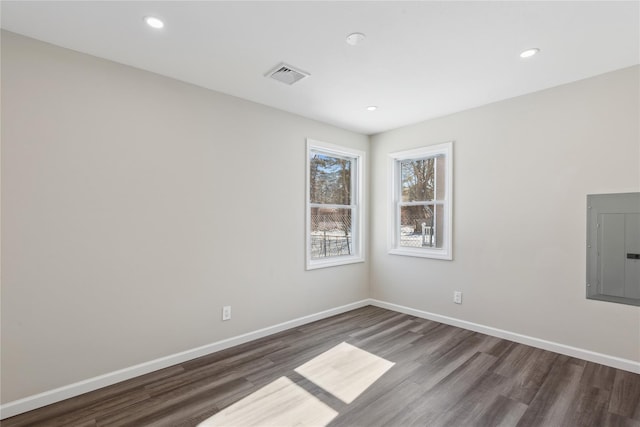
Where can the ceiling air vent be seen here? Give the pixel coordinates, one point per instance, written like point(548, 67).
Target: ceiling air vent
point(286, 74)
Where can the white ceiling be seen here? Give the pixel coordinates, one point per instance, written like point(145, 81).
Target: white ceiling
point(419, 60)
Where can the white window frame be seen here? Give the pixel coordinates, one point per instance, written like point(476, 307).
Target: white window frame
point(357, 207)
point(395, 200)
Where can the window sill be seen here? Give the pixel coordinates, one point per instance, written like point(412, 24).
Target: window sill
point(423, 253)
point(315, 264)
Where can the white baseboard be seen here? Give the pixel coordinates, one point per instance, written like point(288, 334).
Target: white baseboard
point(591, 356)
point(46, 398)
point(52, 396)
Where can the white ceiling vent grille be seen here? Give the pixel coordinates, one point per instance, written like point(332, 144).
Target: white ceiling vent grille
point(287, 74)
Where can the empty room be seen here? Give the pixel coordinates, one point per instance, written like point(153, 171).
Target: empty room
point(320, 213)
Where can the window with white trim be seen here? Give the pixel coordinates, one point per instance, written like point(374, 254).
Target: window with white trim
point(334, 205)
point(420, 202)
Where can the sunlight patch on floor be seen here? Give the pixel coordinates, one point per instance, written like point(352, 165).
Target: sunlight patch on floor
point(280, 403)
point(345, 371)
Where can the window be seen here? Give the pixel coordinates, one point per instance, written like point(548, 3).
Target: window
point(334, 214)
point(420, 207)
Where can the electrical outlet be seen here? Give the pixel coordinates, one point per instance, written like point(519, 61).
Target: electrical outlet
point(226, 312)
point(457, 297)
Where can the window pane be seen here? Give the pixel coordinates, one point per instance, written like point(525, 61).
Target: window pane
point(330, 179)
point(417, 179)
point(419, 227)
point(440, 177)
point(331, 232)
point(439, 237)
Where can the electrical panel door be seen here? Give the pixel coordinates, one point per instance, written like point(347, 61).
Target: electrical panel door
point(613, 247)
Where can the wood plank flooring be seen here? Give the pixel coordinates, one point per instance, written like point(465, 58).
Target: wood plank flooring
point(439, 375)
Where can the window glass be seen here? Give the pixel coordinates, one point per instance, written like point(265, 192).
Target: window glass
point(417, 179)
point(330, 179)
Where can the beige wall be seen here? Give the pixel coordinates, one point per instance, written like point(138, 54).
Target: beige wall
point(135, 206)
point(522, 170)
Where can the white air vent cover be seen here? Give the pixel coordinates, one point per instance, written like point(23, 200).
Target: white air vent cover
point(286, 74)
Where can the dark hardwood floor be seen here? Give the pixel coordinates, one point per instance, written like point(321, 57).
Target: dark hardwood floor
point(442, 376)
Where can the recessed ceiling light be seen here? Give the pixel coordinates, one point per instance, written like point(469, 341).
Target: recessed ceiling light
point(529, 52)
point(372, 108)
point(355, 38)
point(154, 22)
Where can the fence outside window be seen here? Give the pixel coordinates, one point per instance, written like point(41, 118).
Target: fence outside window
point(330, 233)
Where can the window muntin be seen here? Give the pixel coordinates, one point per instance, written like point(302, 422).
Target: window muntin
point(334, 217)
point(421, 202)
